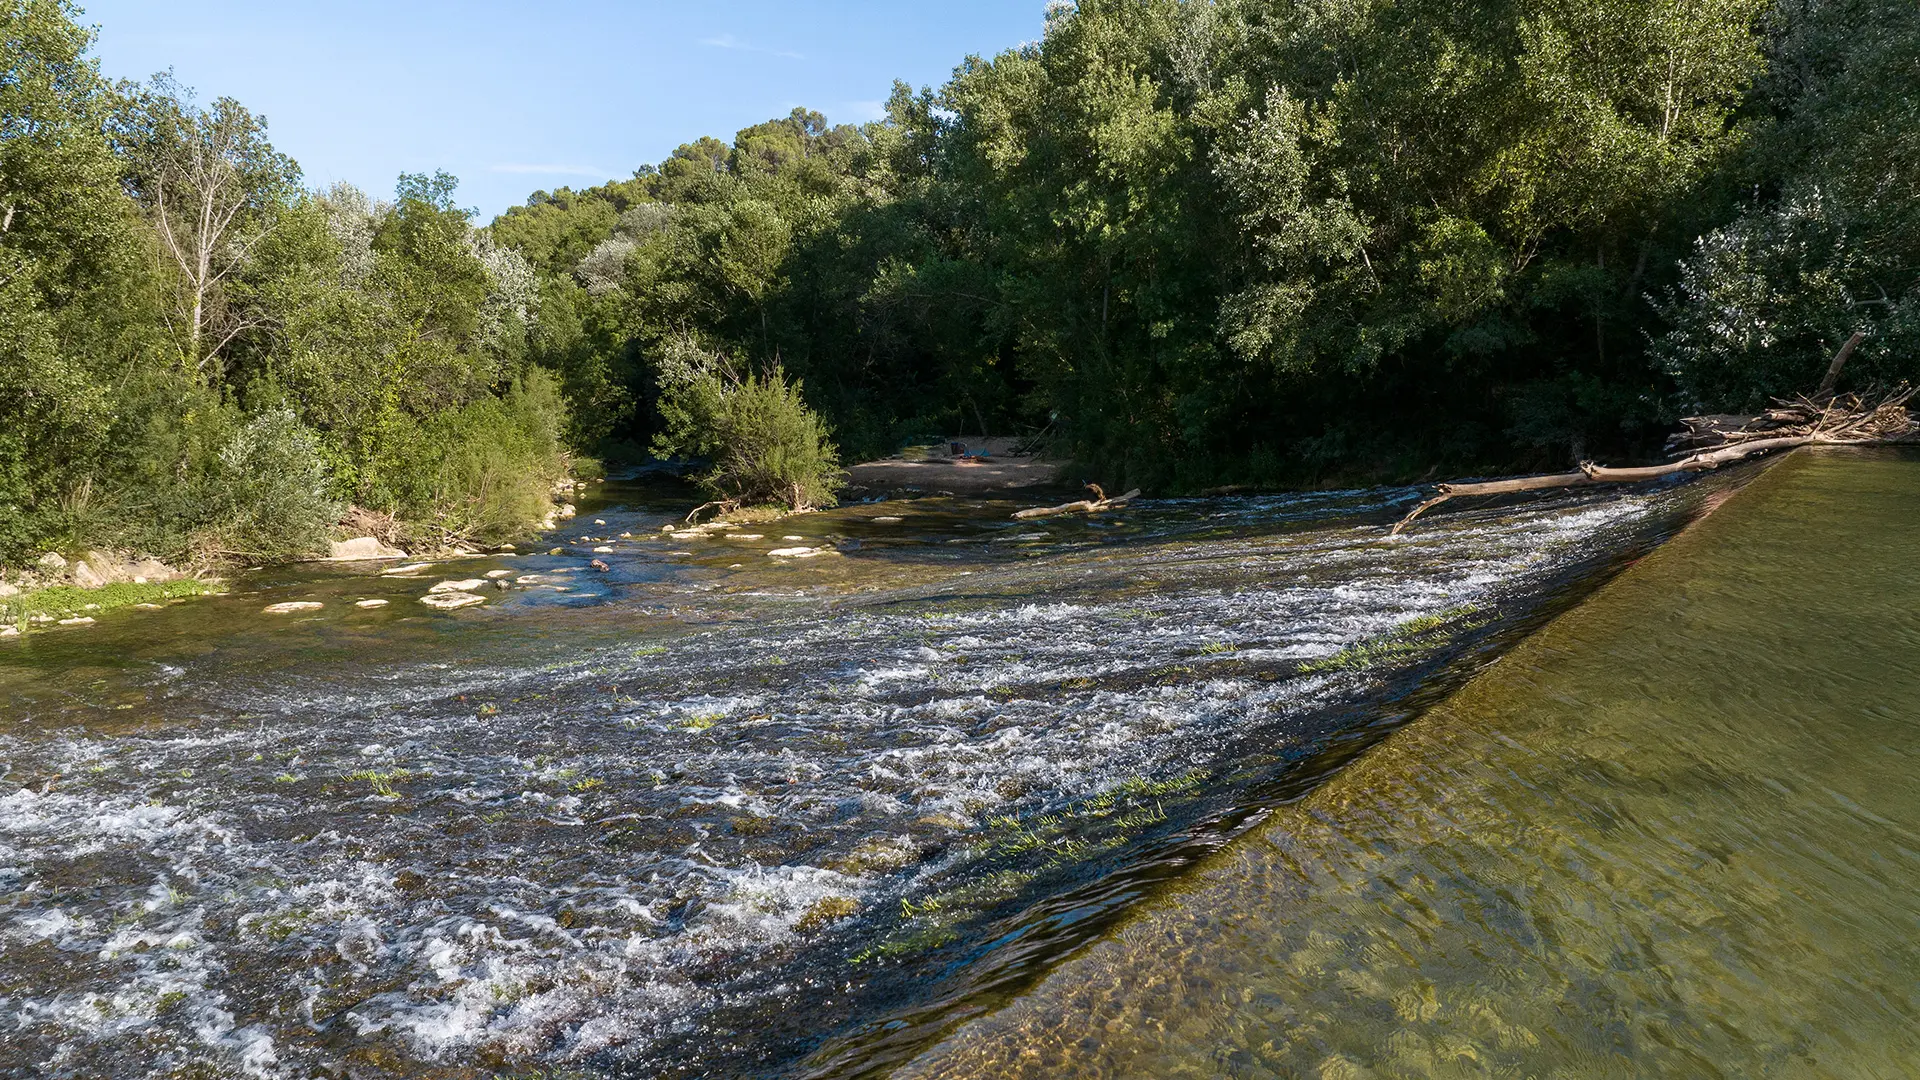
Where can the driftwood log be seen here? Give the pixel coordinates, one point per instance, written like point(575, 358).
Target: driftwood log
point(1084, 506)
point(1721, 440)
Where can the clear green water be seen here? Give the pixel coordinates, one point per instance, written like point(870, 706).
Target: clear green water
point(1675, 834)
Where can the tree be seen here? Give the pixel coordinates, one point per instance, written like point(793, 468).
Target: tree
point(212, 186)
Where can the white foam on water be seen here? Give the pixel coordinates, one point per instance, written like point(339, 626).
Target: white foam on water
point(569, 878)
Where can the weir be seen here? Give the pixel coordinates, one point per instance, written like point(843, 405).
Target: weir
point(713, 811)
point(1673, 834)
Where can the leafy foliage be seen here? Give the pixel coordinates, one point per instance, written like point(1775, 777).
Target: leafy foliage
point(766, 447)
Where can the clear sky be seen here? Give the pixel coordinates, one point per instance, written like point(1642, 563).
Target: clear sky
point(518, 97)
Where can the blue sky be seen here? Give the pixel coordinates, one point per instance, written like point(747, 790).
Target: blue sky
point(517, 97)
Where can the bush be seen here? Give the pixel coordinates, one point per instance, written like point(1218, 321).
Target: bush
point(765, 445)
point(200, 478)
point(486, 470)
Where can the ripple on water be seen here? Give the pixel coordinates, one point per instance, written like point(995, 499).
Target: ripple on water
point(497, 863)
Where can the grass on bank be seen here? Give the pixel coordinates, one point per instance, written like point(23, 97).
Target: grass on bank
point(72, 601)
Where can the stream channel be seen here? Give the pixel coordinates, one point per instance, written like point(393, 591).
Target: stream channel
point(716, 812)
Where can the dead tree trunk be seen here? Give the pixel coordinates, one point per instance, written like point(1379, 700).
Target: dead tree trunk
point(1834, 421)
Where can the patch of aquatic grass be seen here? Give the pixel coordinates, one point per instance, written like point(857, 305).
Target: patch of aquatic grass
point(382, 781)
point(1412, 638)
point(69, 601)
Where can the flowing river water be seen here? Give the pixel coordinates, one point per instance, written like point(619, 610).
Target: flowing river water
point(1675, 834)
point(956, 795)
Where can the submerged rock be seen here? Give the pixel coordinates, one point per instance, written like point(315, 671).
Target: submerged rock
point(410, 568)
point(291, 606)
point(449, 601)
point(369, 603)
point(362, 547)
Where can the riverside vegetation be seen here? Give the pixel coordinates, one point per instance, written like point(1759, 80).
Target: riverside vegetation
point(1193, 244)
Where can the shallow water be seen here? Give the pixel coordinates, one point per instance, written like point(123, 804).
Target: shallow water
point(1675, 834)
point(712, 810)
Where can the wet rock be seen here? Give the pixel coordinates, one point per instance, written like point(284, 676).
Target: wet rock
point(825, 912)
point(603, 550)
point(291, 606)
point(452, 601)
point(362, 547)
point(499, 573)
point(452, 585)
point(887, 519)
point(796, 552)
point(369, 603)
point(566, 511)
point(600, 566)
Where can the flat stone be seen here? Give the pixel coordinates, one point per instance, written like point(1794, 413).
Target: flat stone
point(887, 519)
point(370, 603)
point(795, 552)
point(78, 620)
point(291, 606)
point(498, 573)
point(449, 601)
point(452, 586)
point(603, 550)
point(362, 547)
point(410, 568)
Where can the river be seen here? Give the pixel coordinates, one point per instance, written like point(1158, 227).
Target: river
point(718, 812)
point(1675, 834)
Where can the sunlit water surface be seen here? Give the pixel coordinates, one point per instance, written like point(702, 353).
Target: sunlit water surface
point(718, 812)
point(1677, 834)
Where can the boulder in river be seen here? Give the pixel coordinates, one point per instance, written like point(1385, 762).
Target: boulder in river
point(796, 552)
point(291, 606)
point(449, 601)
point(362, 547)
point(452, 585)
point(369, 603)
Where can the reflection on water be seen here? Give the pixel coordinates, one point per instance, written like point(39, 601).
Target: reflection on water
point(696, 812)
point(1676, 834)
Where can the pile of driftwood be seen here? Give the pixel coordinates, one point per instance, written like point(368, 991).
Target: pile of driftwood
point(1708, 442)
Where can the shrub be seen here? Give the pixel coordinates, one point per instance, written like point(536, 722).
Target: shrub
point(764, 444)
point(486, 470)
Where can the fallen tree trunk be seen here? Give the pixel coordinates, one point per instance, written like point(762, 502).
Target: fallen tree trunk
point(1834, 422)
point(1084, 506)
